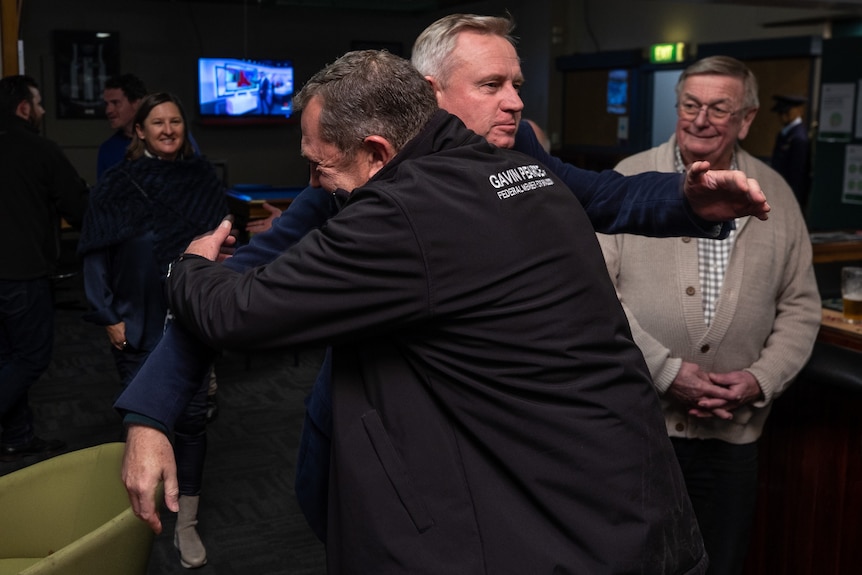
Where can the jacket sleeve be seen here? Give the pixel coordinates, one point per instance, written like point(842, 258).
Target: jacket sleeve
point(180, 360)
point(97, 288)
point(168, 379)
point(310, 210)
point(362, 272)
point(649, 204)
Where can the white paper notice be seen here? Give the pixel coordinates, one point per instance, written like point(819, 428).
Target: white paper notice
point(836, 110)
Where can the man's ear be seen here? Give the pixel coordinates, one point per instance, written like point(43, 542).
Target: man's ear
point(747, 119)
point(379, 153)
point(438, 90)
point(23, 110)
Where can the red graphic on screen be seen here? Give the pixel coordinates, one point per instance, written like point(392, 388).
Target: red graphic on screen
point(242, 81)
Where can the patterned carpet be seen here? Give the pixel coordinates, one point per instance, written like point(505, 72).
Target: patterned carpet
point(249, 519)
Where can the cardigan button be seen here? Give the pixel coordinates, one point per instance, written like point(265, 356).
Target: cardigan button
point(685, 239)
point(690, 290)
point(679, 426)
point(705, 348)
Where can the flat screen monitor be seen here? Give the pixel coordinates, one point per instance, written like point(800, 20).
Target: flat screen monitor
point(243, 89)
point(618, 91)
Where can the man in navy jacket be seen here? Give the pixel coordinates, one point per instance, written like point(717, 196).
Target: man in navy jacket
point(649, 204)
point(458, 285)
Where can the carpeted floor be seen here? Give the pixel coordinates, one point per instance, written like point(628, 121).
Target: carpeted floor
point(249, 519)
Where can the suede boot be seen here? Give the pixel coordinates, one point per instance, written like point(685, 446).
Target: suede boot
point(186, 538)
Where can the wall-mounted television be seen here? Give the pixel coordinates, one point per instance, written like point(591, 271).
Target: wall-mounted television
point(233, 90)
point(618, 91)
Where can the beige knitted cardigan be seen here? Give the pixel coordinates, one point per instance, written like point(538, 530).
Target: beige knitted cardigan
point(768, 312)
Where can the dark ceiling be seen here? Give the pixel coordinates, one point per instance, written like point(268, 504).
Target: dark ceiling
point(401, 6)
point(418, 6)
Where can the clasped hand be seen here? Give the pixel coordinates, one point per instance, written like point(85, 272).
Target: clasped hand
point(713, 394)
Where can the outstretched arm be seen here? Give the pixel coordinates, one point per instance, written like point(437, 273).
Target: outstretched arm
point(716, 195)
point(701, 204)
point(173, 371)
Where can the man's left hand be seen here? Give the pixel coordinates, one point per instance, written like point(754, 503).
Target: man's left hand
point(734, 389)
point(263, 224)
point(720, 195)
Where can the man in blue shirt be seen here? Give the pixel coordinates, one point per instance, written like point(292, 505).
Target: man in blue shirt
point(122, 97)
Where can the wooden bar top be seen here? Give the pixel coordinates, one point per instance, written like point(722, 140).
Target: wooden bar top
point(836, 331)
point(836, 246)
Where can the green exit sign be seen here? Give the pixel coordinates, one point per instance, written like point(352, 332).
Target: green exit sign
point(667, 53)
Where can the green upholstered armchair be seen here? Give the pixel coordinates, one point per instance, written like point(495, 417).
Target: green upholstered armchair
point(70, 514)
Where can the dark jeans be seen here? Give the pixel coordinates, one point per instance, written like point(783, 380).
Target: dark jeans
point(26, 341)
point(128, 362)
point(190, 441)
point(721, 479)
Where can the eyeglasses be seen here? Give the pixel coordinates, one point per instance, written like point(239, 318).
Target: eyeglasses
point(717, 114)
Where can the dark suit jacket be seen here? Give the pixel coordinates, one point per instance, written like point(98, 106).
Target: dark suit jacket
point(790, 158)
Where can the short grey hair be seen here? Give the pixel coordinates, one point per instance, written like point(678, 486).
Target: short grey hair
point(369, 92)
point(724, 66)
point(433, 49)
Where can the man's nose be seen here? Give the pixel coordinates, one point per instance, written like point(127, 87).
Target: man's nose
point(702, 118)
point(512, 100)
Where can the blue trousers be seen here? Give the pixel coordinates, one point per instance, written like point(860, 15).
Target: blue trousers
point(26, 342)
point(721, 479)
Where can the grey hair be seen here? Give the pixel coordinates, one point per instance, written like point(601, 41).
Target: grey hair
point(433, 49)
point(369, 92)
point(724, 66)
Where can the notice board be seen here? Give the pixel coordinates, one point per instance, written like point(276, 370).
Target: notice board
point(836, 196)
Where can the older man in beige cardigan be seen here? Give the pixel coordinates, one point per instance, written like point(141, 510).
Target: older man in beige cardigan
point(724, 326)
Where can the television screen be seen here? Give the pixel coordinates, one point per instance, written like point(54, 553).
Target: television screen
point(240, 88)
point(618, 91)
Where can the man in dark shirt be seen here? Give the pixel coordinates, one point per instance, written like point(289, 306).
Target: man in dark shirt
point(39, 186)
point(790, 156)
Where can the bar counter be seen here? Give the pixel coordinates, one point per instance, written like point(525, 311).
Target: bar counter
point(834, 330)
point(840, 246)
point(810, 484)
